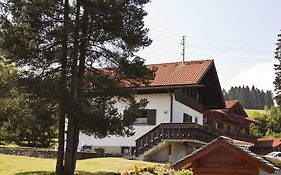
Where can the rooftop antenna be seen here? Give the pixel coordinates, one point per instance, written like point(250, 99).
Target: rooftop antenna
point(183, 48)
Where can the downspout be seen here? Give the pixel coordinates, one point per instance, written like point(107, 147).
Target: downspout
point(171, 105)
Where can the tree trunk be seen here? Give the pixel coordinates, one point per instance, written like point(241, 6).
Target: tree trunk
point(80, 83)
point(60, 153)
point(68, 169)
point(72, 136)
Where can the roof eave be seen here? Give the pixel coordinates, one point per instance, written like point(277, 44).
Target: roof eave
point(167, 87)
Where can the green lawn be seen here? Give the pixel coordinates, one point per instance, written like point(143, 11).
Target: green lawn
point(20, 165)
point(251, 112)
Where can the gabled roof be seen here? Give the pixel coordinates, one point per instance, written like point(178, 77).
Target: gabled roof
point(268, 142)
point(232, 146)
point(230, 103)
point(178, 73)
point(235, 107)
point(233, 111)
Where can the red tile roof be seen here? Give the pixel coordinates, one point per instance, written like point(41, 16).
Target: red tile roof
point(230, 103)
point(188, 73)
point(268, 142)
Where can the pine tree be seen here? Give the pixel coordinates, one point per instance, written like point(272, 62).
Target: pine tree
point(69, 42)
point(277, 67)
point(254, 97)
point(247, 97)
point(225, 95)
point(250, 99)
point(268, 99)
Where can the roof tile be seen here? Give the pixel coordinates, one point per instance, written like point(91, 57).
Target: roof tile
point(230, 103)
point(176, 73)
point(268, 142)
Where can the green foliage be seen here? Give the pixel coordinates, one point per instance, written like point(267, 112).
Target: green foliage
point(24, 118)
point(269, 123)
point(109, 34)
point(250, 98)
point(158, 170)
point(277, 67)
point(8, 78)
point(137, 171)
point(184, 172)
point(90, 47)
point(27, 121)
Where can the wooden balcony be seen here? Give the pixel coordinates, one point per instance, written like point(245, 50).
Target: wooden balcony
point(238, 136)
point(173, 131)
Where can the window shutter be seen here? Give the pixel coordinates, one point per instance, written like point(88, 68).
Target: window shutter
point(151, 116)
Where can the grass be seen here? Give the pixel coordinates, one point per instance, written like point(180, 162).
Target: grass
point(8, 145)
point(20, 165)
point(251, 112)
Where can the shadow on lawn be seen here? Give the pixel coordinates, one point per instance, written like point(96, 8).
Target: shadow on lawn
point(76, 173)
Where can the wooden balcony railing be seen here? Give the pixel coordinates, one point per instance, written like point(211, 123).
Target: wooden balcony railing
point(238, 136)
point(173, 131)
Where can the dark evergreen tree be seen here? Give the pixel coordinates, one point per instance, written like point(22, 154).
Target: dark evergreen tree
point(277, 67)
point(225, 95)
point(268, 99)
point(71, 42)
point(24, 118)
point(247, 97)
point(250, 99)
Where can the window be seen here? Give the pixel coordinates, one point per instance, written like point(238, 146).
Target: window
point(243, 130)
point(142, 119)
point(148, 117)
point(220, 126)
point(205, 120)
point(187, 118)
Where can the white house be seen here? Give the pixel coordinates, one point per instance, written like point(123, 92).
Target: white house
point(171, 125)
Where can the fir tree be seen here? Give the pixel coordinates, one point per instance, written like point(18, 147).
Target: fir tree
point(277, 81)
point(250, 99)
point(69, 42)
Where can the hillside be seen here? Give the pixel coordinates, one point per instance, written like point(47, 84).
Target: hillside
point(251, 112)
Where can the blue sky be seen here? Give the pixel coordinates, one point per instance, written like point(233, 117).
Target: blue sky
point(240, 35)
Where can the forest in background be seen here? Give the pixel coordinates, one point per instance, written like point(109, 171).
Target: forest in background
point(250, 98)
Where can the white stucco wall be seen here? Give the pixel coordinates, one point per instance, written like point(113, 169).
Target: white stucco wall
point(179, 109)
point(160, 156)
point(160, 102)
point(178, 151)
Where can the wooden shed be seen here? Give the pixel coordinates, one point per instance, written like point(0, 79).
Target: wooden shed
point(225, 156)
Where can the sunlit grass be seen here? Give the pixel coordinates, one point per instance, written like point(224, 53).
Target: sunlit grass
point(20, 165)
point(251, 112)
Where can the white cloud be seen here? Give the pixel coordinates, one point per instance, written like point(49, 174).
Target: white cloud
point(260, 75)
